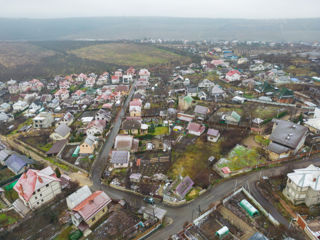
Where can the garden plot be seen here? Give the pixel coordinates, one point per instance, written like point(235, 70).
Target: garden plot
point(240, 157)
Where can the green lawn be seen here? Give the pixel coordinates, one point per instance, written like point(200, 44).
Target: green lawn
point(265, 112)
point(240, 157)
point(6, 219)
point(5, 174)
point(128, 54)
point(161, 131)
point(44, 147)
point(262, 140)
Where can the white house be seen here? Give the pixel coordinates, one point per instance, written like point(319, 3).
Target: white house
point(43, 120)
point(233, 75)
point(36, 188)
point(303, 186)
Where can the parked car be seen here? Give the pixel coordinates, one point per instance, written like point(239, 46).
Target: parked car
point(149, 200)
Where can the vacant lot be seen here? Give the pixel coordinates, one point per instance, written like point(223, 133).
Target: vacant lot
point(192, 160)
point(127, 54)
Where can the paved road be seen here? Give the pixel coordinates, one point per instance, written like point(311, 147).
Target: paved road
point(187, 213)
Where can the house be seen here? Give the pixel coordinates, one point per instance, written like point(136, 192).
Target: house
point(115, 79)
point(20, 106)
point(217, 93)
point(135, 177)
point(37, 187)
point(18, 163)
point(131, 71)
point(201, 111)
point(5, 107)
point(195, 128)
point(131, 126)
point(202, 96)
point(4, 154)
point(77, 95)
point(232, 118)
point(183, 187)
point(285, 95)
point(81, 78)
point(135, 111)
point(151, 212)
point(185, 102)
point(87, 208)
point(103, 79)
point(56, 148)
point(90, 82)
point(4, 118)
point(62, 94)
point(280, 80)
point(125, 142)
point(43, 120)
point(96, 127)
point(213, 135)
point(120, 159)
point(192, 91)
point(286, 137)
point(256, 68)
point(303, 186)
point(61, 132)
point(218, 63)
point(206, 84)
point(144, 74)
point(126, 79)
point(233, 75)
point(185, 117)
point(88, 146)
point(103, 115)
point(67, 119)
point(314, 123)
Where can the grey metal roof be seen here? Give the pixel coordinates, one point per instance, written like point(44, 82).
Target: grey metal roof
point(4, 154)
point(201, 109)
point(277, 148)
point(16, 162)
point(288, 133)
point(120, 157)
point(63, 130)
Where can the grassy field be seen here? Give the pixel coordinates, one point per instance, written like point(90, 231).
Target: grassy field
point(125, 54)
point(240, 157)
point(265, 112)
point(7, 219)
point(15, 54)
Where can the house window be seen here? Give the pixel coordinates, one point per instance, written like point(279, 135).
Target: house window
point(93, 219)
point(38, 203)
point(103, 210)
point(41, 200)
point(36, 198)
point(40, 195)
point(38, 190)
point(47, 185)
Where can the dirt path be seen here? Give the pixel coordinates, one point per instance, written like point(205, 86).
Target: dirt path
point(250, 142)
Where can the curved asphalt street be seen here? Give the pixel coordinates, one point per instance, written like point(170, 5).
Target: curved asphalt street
point(187, 213)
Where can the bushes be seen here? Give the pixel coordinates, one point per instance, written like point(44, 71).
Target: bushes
point(262, 140)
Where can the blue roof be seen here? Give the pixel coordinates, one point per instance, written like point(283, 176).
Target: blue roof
point(16, 162)
point(295, 80)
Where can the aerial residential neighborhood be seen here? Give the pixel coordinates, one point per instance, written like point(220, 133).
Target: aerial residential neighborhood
point(160, 128)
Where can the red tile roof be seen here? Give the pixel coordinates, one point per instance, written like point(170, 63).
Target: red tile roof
point(29, 182)
point(232, 72)
point(92, 204)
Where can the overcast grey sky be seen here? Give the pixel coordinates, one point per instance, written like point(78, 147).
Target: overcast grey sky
point(173, 8)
